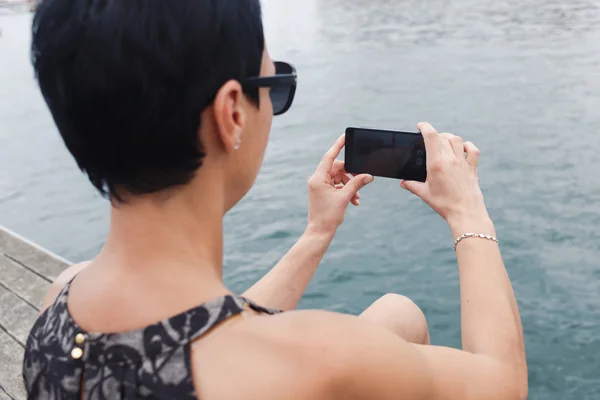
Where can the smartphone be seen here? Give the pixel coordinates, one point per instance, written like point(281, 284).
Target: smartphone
point(388, 154)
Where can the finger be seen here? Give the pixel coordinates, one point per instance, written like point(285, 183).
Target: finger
point(355, 184)
point(345, 180)
point(417, 188)
point(338, 166)
point(338, 171)
point(328, 159)
point(357, 195)
point(431, 139)
point(457, 144)
point(472, 154)
point(355, 202)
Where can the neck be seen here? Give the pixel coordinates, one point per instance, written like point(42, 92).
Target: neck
point(176, 236)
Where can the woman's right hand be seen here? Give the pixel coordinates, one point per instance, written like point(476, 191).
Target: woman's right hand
point(452, 188)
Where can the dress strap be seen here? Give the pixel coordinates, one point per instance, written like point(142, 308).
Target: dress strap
point(221, 309)
point(260, 309)
point(60, 301)
point(212, 313)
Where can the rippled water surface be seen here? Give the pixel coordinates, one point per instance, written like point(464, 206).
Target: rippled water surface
point(519, 78)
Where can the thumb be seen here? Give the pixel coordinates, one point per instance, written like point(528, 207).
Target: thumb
point(355, 184)
point(416, 188)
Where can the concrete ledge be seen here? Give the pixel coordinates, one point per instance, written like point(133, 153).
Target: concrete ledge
point(11, 354)
point(26, 272)
point(16, 316)
point(24, 283)
point(4, 395)
point(31, 256)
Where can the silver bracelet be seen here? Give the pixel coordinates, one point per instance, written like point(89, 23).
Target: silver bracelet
point(474, 235)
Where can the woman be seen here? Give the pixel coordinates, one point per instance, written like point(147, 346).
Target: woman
point(167, 107)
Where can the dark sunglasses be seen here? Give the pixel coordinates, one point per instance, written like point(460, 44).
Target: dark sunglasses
point(282, 84)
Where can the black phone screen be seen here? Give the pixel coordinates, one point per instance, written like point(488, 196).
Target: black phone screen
point(389, 154)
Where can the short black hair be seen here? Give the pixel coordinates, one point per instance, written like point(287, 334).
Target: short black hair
point(127, 80)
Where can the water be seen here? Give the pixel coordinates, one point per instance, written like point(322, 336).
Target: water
point(519, 78)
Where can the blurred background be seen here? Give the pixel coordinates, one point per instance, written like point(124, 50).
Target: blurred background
point(521, 79)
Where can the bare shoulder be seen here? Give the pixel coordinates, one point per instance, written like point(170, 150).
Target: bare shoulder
point(304, 354)
point(60, 282)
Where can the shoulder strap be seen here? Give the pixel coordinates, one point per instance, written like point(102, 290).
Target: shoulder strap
point(260, 309)
point(60, 301)
point(221, 309)
point(210, 314)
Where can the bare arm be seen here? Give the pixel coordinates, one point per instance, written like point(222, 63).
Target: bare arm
point(283, 286)
point(330, 190)
point(373, 363)
point(492, 364)
point(490, 320)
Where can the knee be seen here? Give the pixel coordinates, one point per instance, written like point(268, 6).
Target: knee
point(404, 317)
point(401, 306)
point(396, 300)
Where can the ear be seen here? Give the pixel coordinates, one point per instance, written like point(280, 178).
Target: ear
point(229, 113)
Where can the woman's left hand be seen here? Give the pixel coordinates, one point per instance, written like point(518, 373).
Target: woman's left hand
point(330, 190)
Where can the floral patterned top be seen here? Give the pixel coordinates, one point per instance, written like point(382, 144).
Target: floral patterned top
point(62, 361)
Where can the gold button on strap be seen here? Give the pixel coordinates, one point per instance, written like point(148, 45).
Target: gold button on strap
point(80, 339)
point(76, 353)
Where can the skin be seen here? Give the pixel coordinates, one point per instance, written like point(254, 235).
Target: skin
point(164, 252)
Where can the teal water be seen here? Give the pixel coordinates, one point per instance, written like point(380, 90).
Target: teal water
point(519, 78)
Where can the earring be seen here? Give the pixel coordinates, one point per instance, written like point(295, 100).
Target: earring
point(237, 144)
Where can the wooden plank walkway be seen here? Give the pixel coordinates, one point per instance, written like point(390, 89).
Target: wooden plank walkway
point(26, 271)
